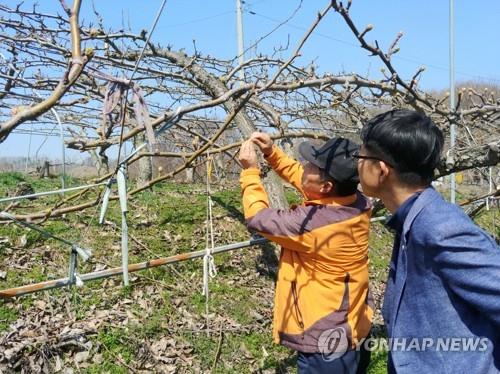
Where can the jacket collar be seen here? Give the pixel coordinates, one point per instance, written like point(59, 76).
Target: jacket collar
point(396, 221)
point(333, 200)
point(426, 197)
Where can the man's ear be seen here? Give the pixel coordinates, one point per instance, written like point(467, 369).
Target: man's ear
point(384, 171)
point(326, 188)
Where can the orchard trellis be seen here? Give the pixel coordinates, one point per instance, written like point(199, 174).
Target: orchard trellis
point(197, 104)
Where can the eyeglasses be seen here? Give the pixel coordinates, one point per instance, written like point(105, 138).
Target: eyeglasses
point(357, 156)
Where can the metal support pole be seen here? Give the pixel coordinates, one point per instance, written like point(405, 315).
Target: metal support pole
point(125, 249)
point(239, 30)
point(72, 266)
point(85, 253)
point(122, 193)
point(47, 193)
point(62, 282)
point(452, 95)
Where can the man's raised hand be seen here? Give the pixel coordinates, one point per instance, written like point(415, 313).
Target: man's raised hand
point(248, 157)
point(263, 141)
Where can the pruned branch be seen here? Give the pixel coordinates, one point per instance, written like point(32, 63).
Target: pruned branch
point(75, 68)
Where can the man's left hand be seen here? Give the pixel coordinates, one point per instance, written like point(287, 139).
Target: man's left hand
point(248, 157)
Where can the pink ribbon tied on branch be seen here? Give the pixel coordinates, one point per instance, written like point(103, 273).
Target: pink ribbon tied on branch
point(116, 92)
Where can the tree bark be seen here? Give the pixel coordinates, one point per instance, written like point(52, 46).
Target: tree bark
point(189, 175)
point(145, 164)
point(484, 155)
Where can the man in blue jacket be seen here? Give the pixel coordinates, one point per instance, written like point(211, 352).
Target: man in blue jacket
point(442, 300)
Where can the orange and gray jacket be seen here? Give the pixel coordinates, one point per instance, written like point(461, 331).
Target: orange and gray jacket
point(322, 281)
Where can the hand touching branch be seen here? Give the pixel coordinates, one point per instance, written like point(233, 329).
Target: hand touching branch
point(263, 141)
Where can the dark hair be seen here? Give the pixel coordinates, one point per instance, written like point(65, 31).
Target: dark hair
point(339, 188)
point(408, 140)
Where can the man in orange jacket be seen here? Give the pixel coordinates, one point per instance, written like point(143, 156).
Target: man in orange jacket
point(323, 308)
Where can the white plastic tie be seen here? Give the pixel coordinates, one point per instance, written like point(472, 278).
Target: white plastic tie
point(78, 281)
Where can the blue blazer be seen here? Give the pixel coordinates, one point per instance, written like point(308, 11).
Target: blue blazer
point(442, 300)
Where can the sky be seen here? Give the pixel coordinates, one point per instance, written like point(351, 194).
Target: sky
point(332, 47)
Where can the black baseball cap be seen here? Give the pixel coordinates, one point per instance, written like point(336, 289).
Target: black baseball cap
point(334, 157)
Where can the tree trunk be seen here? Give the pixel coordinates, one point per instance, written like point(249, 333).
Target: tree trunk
point(45, 170)
point(219, 167)
point(103, 162)
point(189, 175)
point(145, 164)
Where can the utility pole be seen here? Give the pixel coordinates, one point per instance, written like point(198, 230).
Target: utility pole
point(239, 31)
point(452, 94)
